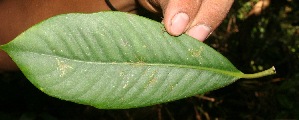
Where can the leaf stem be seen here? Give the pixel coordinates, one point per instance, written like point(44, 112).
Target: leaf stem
point(267, 72)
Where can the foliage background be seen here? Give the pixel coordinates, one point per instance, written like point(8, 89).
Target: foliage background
point(255, 36)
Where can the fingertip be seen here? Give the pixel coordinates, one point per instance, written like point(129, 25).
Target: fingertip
point(178, 15)
point(178, 24)
point(199, 32)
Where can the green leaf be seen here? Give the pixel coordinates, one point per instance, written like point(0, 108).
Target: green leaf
point(114, 60)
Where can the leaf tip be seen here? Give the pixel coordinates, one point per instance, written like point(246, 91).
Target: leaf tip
point(2, 47)
point(5, 46)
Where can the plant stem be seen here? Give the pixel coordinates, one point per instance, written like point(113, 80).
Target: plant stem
point(260, 74)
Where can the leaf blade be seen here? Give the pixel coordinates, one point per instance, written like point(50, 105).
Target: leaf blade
point(80, 58)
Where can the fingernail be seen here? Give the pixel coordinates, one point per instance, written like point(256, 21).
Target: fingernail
point(179, 23)
point(200, 32)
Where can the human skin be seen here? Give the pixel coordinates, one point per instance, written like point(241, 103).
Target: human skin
point(198, 18)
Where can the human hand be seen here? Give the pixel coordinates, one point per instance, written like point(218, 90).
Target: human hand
point(197, 18)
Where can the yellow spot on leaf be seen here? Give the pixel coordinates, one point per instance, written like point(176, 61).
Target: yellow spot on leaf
point(126, 84)
point(196, 52)
point(63, 67)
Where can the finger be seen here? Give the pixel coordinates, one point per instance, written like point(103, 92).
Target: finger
point(120, 5)
point(150, 5)
point(210, 15)
point(178, 14)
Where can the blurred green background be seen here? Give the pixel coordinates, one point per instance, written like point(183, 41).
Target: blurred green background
point(255, 36)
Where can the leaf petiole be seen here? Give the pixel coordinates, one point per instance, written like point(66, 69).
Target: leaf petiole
point(267, 72)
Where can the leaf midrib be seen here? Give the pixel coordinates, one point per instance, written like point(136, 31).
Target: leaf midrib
point(229, 73)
